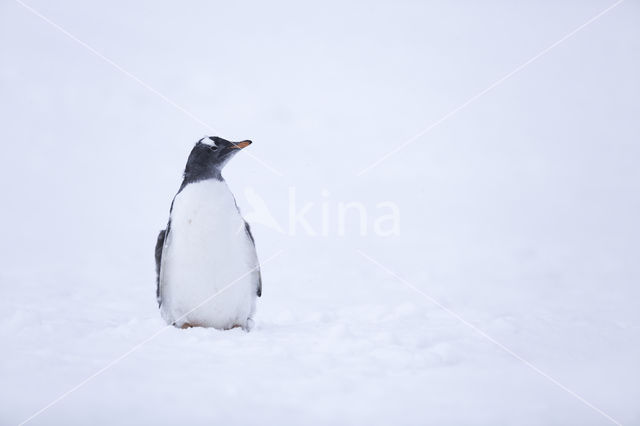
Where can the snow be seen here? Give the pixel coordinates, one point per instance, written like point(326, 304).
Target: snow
point(518, 213)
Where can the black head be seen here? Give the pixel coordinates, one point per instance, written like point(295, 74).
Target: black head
point(208, 157)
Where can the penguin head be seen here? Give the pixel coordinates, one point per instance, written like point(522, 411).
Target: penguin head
point(209, 155)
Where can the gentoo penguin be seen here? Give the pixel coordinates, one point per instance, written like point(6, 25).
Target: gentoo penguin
point(206, 263)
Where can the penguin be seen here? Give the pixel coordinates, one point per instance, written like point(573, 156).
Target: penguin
point(207, 270)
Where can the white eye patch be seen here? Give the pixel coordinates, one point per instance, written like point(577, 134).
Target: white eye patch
point(205, 140)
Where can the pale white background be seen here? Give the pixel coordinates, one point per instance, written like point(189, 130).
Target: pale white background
point(520, 212)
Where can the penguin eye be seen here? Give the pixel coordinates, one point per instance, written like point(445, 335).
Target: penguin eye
point(213, 148)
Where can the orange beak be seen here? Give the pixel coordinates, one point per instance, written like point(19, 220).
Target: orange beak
point(240, 145)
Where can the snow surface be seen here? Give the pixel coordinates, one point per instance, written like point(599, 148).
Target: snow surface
point(519, 213)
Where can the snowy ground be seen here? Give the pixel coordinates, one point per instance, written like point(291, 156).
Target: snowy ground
point(519, 213)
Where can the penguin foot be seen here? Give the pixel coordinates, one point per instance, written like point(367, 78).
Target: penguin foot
point(182, 326)
point(247, 326)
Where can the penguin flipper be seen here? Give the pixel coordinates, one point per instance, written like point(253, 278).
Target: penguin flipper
point(248, 229)
point(159, 247)
point(259, 291)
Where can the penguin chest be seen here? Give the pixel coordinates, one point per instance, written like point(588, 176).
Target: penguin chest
point(207, 260)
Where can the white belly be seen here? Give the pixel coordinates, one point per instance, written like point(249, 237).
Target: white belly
point(208, 274)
